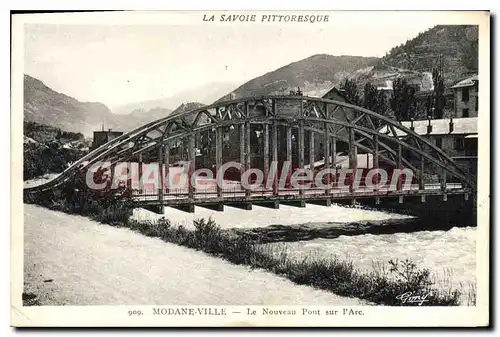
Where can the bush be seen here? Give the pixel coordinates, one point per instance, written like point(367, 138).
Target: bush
point(75, 198)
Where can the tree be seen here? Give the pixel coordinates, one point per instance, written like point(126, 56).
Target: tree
point(469, 49)
point(439, 100)
point(403, 101)
point(369, 96)
point(381, 105)
point(409, 61)
point(351, 91)
point(374, 99)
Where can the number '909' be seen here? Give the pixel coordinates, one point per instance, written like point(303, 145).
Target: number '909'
point(135, 312)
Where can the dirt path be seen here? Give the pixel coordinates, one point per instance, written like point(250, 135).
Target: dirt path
point(70, 260)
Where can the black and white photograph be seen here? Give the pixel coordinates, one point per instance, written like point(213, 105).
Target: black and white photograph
point(264, 168)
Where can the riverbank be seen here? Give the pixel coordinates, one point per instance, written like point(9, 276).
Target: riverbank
point(71, 260)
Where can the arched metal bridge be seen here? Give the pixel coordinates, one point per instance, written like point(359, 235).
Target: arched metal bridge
point(290, 128)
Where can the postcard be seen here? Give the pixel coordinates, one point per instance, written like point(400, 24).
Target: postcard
point(250, 168)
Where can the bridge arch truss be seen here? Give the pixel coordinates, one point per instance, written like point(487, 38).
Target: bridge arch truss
point(335, 121)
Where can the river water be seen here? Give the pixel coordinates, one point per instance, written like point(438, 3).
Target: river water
point(449, 255)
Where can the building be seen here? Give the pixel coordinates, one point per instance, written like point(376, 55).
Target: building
point(465, 97)
point(102, 137)
point(457, 137)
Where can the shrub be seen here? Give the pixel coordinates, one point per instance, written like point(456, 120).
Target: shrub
point(75, 198)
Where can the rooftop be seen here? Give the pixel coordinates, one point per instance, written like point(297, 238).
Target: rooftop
point(461, 126)
point(468, 82)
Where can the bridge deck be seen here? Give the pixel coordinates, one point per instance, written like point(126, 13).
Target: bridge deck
point(237, 194)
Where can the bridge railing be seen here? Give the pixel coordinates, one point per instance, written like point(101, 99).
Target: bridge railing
point(238, 191)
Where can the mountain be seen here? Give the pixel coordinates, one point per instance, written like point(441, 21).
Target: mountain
point(205, 94)
point(313, 75)
point(456, 45)
point(139, 117)
point(46, 106)
point(51, 108)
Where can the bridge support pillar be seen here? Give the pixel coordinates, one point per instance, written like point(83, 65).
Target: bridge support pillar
point(158, 209)
point(141, 180)
point(188, 208)
point(219, 206)
point(242, 205)
point(218, 160)
point(301, 149)
point(327, 156)
point(275, 204)
point(167, 166)
point(334, 161)
point(322, 202)
point(295, 203)
point(265, 133)
point(242, 149)
point(399, 166)
point(192, 164)
point(421, 183)
point(248, 152)
point(375, 162)
point(160, 172)
point(274, 139)
point(353, 158)
point(288, 153)
point(311, 152)
point(443, 181)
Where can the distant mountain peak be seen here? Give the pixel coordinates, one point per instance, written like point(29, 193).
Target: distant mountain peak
point(46, 106)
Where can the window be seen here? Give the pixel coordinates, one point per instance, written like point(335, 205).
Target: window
point(465, 94)
point(459, 144)
point(465, 113)
point(439, 142)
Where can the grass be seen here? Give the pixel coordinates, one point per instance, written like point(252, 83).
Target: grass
point(30, 299)
point(383, 285)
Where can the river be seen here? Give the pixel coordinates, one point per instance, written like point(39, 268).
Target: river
point(450, 255)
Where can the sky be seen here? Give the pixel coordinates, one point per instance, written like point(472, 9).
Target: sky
point(116, 64)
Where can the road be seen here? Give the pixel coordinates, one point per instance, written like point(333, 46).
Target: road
point(71, 260)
